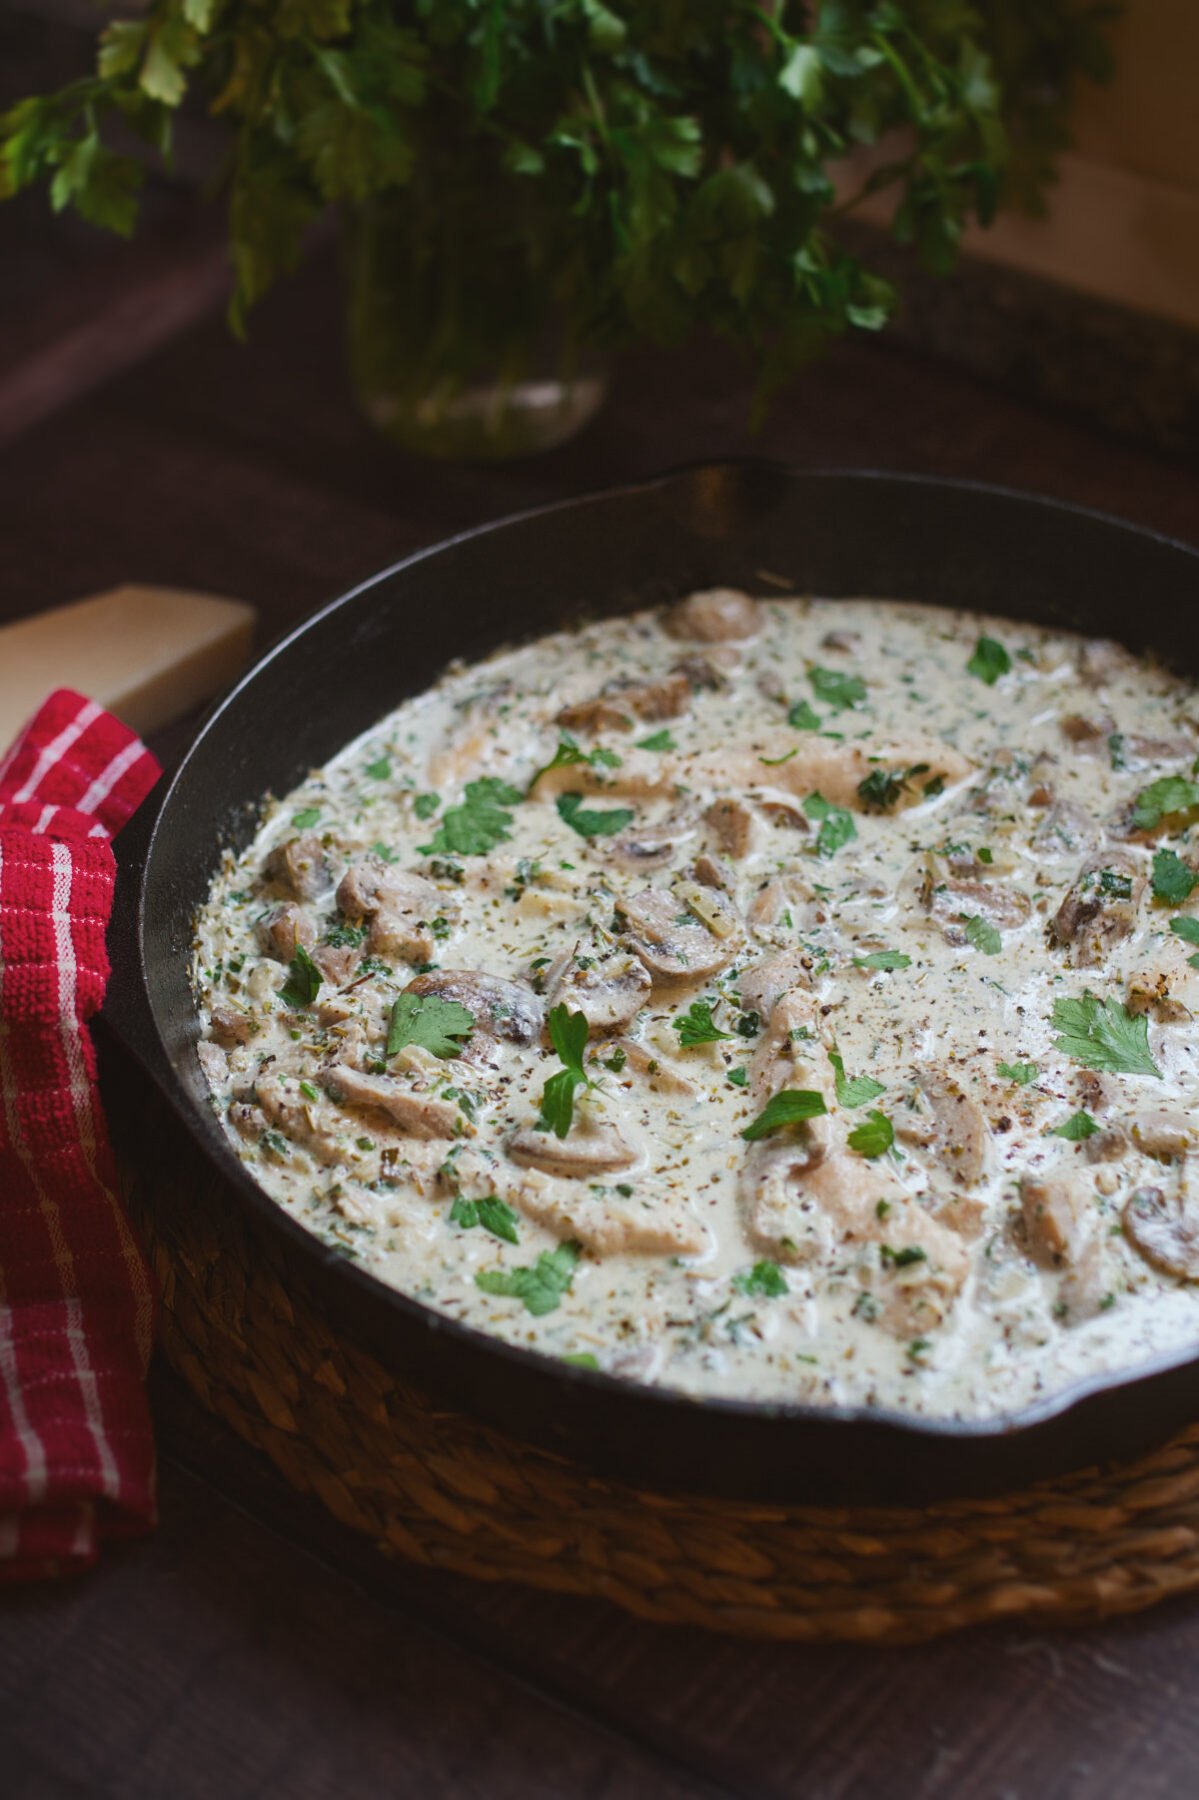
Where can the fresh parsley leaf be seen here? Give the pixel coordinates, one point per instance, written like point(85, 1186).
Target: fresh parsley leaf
point(803, 717)
point(836, 690)
point(570, 752)
point(1078, 1126)
point(384, 852)
point(345, 937)
point(853, 1090)
point(1187, 929)
point(590, 824)
point(380, 770)
point(881, 788)
point(984, 854)
point(1173, 879)
point(982, 934)
point(1103, 1034)
point(836, 825)
point(1115, 749)
point(873, 1136)
point(765, 1280)
point(791, 1106)
point(695, 1026)
point(492, 1213)
point(1162, 799)
point(903, 1259)
point(568, 1035)
point(478, 823)
point(540, 1287)
point(425, 805)
point(306, 818)
point(303, 982)
point(989, 661)
point(775, 762)
point(427, 1020)
point(581, 1359)
point(1021, 1073)
point(660, 740)
point(883, 959)
point(738, 1076)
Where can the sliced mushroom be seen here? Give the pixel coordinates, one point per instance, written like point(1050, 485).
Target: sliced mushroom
point(619, 703)
point(674, 944)
point(300, 866)
point(715, 616)
point(763, 986)
point(398, 904)
point(848, 642)
point(962, 1133)
point(1057, 1215)
point(1164, 985)
point(285, 929)
point(1100, 659)
point(1065, 827)
point(588, 1150)
point(647, 846)
point(731, 826)
point(608, 988)
point(1100, 907)
point(784, 894)
point(706, 672)
point(1164, 1133)
point(1110, 1144)
point(1088, 735)
point(951, 903)
point(416, 1115)
point(1165, 1229)
point(499, 1008)
point(295, 1116)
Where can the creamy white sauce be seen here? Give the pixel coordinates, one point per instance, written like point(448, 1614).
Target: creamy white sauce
point(925, 1278)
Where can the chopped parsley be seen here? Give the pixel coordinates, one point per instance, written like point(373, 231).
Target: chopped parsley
point(660, 740)
point(425, 805)
point(853, 1090)
point(345, 937)
point(540, 1287)
point(1104, 1035)
point(306, 818)
point(803, 717)
point(303, 982)
point(379, 770)
point(695, 1026)
point(1172, 794)
point(738, 1076)
point(1188, 931)
point(989, 661)
point(1022, 1073)
point(1078, 1126)
point(570, 752)
point(836, 690)
point(903, 1259)
point(765, 1279)
point(568, 1035)
point(591, 824)
point(1173, 879)
point(883, 959)
point(430, 1022)
point(836, 825)
point(881, 788)
point(873, 1136)
point(492, 1213)
point(478, 823)
point(581, 1359)
point(791, 1106)
point(384, 852)
point(982, 934)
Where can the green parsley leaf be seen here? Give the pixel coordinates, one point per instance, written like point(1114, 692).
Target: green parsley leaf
point(883, 959)
point(695, 1025)
point(836, 690)
point(581, 1359)
point(881, 788)
point(765, 1279)
point(303, 982)
point(660, 740)
point(425, 805)
point(1103, 1034)
point(775, 762)
point(990, 660)
point(791, 1106)
point(1187, 929)
point(853, 1090)
point(1173, 879)
point(540, 1287)
point(1115, 749)
point(1078, 1126)
point(380, 770)
point(592, 824)
point(568, 1035)
point(1161, 799)
point(803, 717)
point(306, 818)
point(903, 1259)
point(982, 934)
point(837, 827)
point(478, 823)
point(492, 1213)
point(427, 1020)
point(984, 854)
point(1021, 1073)
point(875, 1135)
point(570, 752)
point(738, 1076)
point(308, 1091)
point(384, 852)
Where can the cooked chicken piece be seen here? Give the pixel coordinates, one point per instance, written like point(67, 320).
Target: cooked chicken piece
point(964, 1213)
point(295, 1116)
point(1107, 1145)
point(300, 866)
point(1099, 659)
point(472, 746)
point(731, 826)
point(1164, 985)
point(213, 1060)
point(1083, 1289)
point(951, 903)
point(621, 702)
point(606, 1223)
point(284, 929)
point(1058, 1217)
point(785, 894)
point(1100, 908)
point(1165, 1229)
point(660, 1074)
point(1065, 827)
point(1164, 1133)
point(231, 1026)
point(715, 616)
point(763, 986)
point(1147, 752)
point(398, 905)
point(499, 1008)
point(1095, 1091)
point(822, 765)
point(641, 775)
point(790, 1053)
point(647, 846)
point(588, 1150)
point(672, 942)
point(962, 1133)
point(608, 988)
point(336, 962)
point(417, 1115)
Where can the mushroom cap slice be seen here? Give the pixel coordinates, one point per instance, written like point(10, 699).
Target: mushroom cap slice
point(1165, 1229)
point(416, 1115)
point(609, 990)
point(626, 698)
point(675, 946)
point(714, 616)
point(583, 1153)
point(1100, 907)
point(499, 1008)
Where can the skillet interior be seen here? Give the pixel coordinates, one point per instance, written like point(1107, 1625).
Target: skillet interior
point(858, 533)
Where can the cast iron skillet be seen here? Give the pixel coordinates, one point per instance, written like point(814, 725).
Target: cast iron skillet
point(830, 533)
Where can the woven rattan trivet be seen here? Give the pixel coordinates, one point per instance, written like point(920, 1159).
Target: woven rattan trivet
point(447, 1492)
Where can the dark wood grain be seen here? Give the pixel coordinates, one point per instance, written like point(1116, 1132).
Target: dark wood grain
point(254, 1647)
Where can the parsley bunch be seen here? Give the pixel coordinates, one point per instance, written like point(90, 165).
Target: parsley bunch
point(662, 167)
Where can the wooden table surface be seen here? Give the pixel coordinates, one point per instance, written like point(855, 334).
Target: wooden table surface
point(252, 1647)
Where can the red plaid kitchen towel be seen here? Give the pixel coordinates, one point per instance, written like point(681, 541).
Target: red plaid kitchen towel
point(76, 1305)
